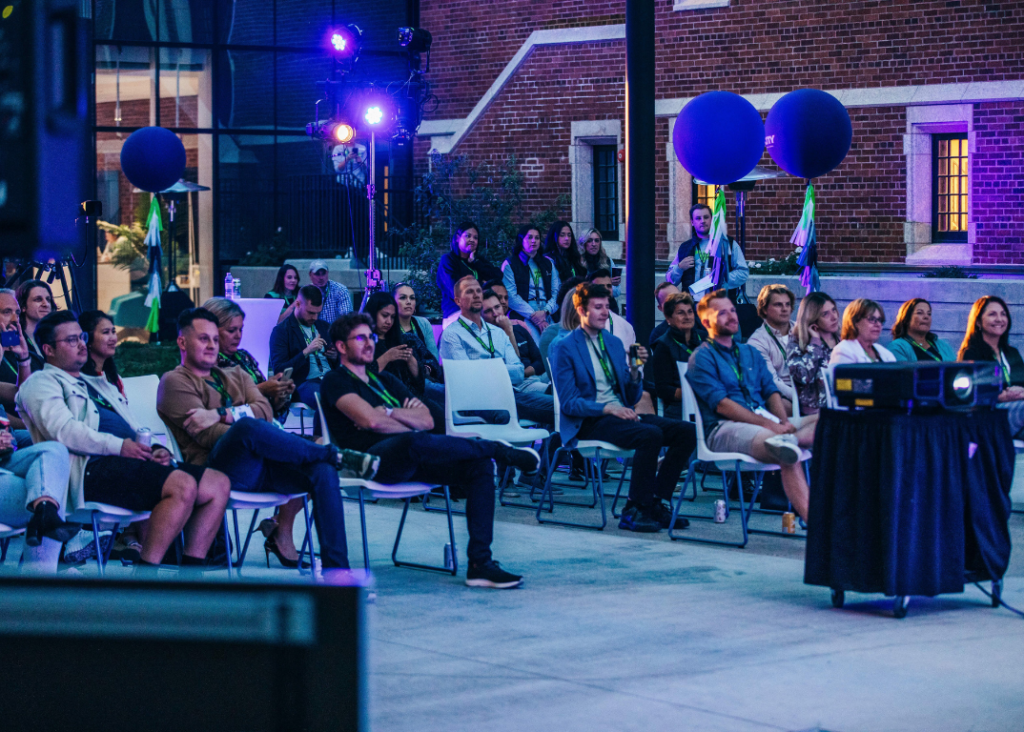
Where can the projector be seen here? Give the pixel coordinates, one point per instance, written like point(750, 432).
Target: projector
point(920, 384)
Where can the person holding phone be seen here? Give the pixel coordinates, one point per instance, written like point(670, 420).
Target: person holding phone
point(278, 388)
point(16, 362)
point(301, 343)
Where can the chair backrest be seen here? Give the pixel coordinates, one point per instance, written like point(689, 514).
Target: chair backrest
point(558, 405)
point(796, 403)
point(690, 402)
point(826, 376)
point(477, 385)
point(324, 432)
point(140, 391)
point(260, 320)
point(689, 406)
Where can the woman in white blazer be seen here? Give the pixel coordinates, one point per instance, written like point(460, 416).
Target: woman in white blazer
point(862, 325)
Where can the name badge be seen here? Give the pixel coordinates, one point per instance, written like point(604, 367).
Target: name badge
point(698, 288)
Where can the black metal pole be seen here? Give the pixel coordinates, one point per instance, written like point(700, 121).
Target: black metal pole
point(640, 165)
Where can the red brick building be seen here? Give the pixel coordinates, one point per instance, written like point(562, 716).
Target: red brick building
point(545, 81)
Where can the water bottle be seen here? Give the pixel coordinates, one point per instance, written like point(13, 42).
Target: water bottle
point(238, 289)
point(229, 287)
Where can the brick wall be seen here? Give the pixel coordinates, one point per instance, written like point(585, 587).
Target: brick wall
point(749, 47)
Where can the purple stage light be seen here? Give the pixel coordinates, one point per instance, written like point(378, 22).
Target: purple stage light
point(343, 43)
point(374, 115)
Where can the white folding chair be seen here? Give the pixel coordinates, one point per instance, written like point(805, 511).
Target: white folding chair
point(6, 534)
point(485, 385)
point(141, 392)
point(101, 517)
point(736, 462)
point(363, 489)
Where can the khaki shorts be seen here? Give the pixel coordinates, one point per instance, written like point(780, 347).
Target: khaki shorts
point(730, 436)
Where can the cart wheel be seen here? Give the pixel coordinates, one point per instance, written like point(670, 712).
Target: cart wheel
point(899, 606)
point(997, 592)
point(838, 598)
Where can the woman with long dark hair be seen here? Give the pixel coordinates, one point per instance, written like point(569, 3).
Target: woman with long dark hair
point(988, 339)
point(102, 344)
point(912, 339)
point(462, 260)
point(532, 281)
point(36, 302)
point(392, 353)
point(286, 288)
point(560, 246)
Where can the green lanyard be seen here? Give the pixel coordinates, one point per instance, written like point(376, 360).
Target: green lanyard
point(1005, 369)
point(925, 351)
point(97, 397)
point(777, 342)
point(490, 338)
point(734, 364)
point(377, 387)
point(239, 362)
point(701, 255)
point(9, 365)
point(536, 276)
point(309, 339)
point(685, 347)
point(218, 385)
point(605, 359)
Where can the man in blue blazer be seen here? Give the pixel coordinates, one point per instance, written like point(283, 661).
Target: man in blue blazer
point(597, 390)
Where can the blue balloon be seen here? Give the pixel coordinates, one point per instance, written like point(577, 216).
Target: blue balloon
point(719, 137)
point(153, 159)
point(808, 133)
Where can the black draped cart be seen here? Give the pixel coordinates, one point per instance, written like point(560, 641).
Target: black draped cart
point(909, 504)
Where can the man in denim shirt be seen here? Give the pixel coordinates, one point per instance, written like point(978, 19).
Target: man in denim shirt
point(739, 403)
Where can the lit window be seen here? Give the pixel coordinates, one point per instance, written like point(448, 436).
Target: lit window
point(949, 188)
point(705, 195)
point(606, 192)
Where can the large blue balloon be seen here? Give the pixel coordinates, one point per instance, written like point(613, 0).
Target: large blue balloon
point(808, 133)
point(153, 159)
point(719, 137)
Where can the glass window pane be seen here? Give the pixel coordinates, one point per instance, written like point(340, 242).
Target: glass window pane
point(297, 75)
point(124, 86)
point(186, 21)
point(954, 166)
point(308, 26)
point(246, 22)
point(246, 189)
point(245, 95)
point(186, 80)
point(124, 20)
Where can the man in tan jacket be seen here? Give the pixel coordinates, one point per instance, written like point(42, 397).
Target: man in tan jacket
point(90, 417)
point(220, 418)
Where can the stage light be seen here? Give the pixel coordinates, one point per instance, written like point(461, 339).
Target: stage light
point(374, 115)
point(417, 40)
point(343, 133)
point(343, 43)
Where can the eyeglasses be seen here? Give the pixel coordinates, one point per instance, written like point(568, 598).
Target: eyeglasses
point(362, 339)
point(74, 340)
point(875, 320)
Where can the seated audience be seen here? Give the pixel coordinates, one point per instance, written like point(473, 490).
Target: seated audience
point(379, 415)
point(617, 325)
point(531, 280)
point(286, 288)
point(677, 344)
point(88, 416)
point(739, 403)
point(560, 247)
point(593, 257)
point(463, 260)
point(230, 324)
point(336, 298)
point(395, 354)
point(862, 325)
point(419, 333)
point(598, 390)
point(775, 305)
point(301, 344)
point(102, 344)
point(662, 292)
point(809, 349)
point(570, 320)
point(912, 339)
point(16, 363)
point(498, 288)
point(221, 419)
point(36, 302)
point(471, 338)
point(523, 343)
point(988, 339)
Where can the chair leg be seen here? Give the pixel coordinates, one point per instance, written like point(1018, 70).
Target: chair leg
point(598, 489)
point(238, 540)
point(248, 537)
point(96, 544)
point(362, 524)
point(308, 541)
point(618, 492)
point(425, 499)
point(4, 543)
point(691, 477)
point(227, 543)
point(451, 538)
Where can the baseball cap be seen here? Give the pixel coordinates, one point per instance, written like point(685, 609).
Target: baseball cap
point(318, 264)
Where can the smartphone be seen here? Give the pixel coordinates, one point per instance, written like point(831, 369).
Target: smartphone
point(616, 271)
point(9, 338)
point(287, 373)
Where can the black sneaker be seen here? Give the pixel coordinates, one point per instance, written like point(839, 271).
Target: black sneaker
point(46, 522)
point(524, 458)
point(635, 518)
point(362, 465)
point(490, 574)
point(662, 513)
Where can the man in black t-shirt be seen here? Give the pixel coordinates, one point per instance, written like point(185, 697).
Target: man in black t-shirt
point(377, 414)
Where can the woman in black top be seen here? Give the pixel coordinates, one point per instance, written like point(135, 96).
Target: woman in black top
point(560, 246)
point(286, 287)
point(464, 259)
point(987, 339)
point(675, 345)
point(393, 355)
point(102, 344)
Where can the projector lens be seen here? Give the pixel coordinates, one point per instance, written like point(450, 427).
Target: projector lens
point(963, 385)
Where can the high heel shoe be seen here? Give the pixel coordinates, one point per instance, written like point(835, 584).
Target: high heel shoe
point(270, 546)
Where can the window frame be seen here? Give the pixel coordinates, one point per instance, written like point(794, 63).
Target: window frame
point(950, 237)
point(600, 216)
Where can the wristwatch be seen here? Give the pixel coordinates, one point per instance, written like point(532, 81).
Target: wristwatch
point(388, 410)
point(222, 413)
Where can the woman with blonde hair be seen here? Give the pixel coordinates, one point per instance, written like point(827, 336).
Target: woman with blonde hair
point(593, 257)
point(862, 325)
point(809, 348)
point(988, 339)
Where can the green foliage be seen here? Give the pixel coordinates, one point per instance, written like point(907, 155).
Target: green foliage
point(455, 191)
point(139, 359)
point(786, 266)
point(950, 272)
point(271, 254)
point(130, 245)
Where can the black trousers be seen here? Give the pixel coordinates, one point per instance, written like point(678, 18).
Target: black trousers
point(647, 437)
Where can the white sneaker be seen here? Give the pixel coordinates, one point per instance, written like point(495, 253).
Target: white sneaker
point(783, 449)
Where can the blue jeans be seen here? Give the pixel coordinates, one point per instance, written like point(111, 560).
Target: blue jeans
point(306, 393)
point(426, 458)
point(35, 472)
point(300, 466)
